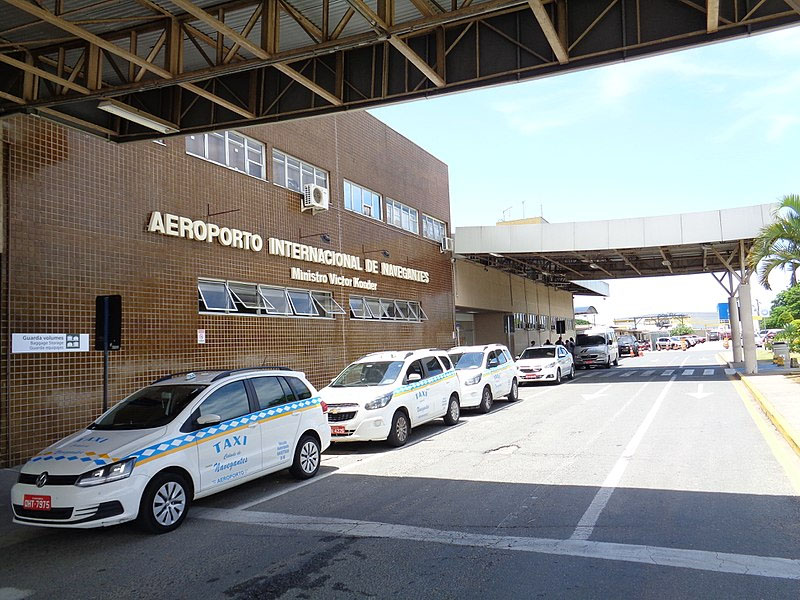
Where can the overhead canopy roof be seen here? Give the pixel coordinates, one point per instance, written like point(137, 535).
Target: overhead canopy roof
point(560, 253)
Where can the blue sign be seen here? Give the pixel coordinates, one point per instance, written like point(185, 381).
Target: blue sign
point(724, 311)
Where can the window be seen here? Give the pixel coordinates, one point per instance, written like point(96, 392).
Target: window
point(362, 200)
point(402, 216)
point(293, 173)
point(229, 402)
point(433, 367)
point(264, 300)
point(385, 309)
point(229, 149)
point(299, 388)
point(433, 229)
point(270, 392)
point(446, 363)
point(414, 368)
point(501, 357)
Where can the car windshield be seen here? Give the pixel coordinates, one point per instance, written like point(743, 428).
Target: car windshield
point(590, 340)
point(538, 353)
point(467, 360)
point(369, 373)
point(627, 339)
point(153, 406)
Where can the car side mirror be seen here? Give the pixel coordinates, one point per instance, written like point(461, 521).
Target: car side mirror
point(412, 377)
point(204, 420)
point(516, 357)
point(493, 363)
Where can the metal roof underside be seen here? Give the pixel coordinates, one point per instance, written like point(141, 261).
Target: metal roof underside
point(212, 64)
point(561, 253)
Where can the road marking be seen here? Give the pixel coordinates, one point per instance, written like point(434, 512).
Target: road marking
point(627, 374)
point(730, 372)
point(708, 371)
point(699, 394)
point(700, 560)
point(779, 447)
point(668, 372)
point(688, 372)
point(609, 374)
point(603, 495)
point(597, 394)
point(10, 593)
point(647, 373)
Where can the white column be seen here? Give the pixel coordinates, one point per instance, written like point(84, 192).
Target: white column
point(748, 333)
point(736, 338)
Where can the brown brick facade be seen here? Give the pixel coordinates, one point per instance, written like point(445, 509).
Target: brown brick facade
point(77, 209)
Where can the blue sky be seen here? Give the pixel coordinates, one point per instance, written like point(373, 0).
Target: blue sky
point(700, 129)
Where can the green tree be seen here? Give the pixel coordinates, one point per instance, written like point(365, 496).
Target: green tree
point(785, 308)
point(681, 330)
point(778, 244)
point(582, 322)
point(791, 334)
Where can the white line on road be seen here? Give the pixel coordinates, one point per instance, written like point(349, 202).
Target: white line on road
point(609, 374)
point(647, 373)
point(688, 372)
point(701, 560)
point(708, 371)
point(589, 518)
point(730, 371)
point(668, 372)
point(627, 374)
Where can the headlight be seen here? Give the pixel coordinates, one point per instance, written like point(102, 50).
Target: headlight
point(379, 402)
point(473, 380)
point(114, 472)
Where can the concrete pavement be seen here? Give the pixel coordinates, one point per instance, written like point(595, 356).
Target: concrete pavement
point(649, 480)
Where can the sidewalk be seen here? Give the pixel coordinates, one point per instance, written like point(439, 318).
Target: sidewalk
point(777, 390)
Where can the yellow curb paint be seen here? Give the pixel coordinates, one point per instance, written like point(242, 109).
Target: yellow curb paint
point(777, 419)
point(787, 459)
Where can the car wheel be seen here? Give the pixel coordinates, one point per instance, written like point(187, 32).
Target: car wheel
point(608, 363)
point(306, 458)
point(513, 395)
point(398, 434)
point(164, 503)
point(558, 377)
point(453, 411)
point(486, 400)
point(572, 372)
point(616, 362)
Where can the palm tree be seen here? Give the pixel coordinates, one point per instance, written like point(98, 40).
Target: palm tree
point(778, 244)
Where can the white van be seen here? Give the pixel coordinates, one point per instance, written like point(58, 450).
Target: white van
point(596, 347)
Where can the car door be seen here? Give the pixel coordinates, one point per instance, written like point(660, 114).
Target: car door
point(231, 449)
point(504, 374)
point(492, 372)
point(563, 360)
point(417, 398)
point(280, 423)
point(436, 388)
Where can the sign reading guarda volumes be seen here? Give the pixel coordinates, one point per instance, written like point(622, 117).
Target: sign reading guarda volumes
point(202, 231)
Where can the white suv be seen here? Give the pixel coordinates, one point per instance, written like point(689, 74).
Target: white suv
point(181, 438)
point(383, 395)
point(484, 372)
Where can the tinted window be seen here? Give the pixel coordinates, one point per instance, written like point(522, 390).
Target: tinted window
point(468, 360)
point(415, 367)
point(501, 358)
point(270, 392)
point(590, 340)
point(369, 373)
point(446, 363)
point(538, 353)
point(433, 366)
point(228, 402)
point(491, 360)
point(153, 406)
point(299, 388)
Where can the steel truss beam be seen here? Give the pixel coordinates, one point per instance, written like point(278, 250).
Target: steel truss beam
point(349, 57)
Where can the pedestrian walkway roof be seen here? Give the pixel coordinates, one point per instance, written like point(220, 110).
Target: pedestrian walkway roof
point(563, 253)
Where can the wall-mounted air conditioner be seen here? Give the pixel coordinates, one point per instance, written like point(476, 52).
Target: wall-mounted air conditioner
point(315, 198)
point(447, 244)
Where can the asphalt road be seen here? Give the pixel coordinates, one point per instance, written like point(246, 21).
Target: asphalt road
point(655, 479)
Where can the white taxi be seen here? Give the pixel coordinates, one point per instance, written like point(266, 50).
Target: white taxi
point(545, 363)
point(484, 373)
point(381, 396)
point(181, 438)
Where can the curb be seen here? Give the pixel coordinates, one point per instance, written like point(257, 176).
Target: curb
point(786, 430)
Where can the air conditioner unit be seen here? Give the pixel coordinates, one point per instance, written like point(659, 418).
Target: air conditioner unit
point(447, 244)
point(315, 198)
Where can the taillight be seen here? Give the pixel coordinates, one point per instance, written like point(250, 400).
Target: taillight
point(324, 407)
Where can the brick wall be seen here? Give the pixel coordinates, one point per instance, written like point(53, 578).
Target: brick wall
point(77, 210)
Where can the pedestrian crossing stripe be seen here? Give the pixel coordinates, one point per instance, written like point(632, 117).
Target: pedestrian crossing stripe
point(668, 372)
point(708, 371)
point(688, 372)
point(647, 373)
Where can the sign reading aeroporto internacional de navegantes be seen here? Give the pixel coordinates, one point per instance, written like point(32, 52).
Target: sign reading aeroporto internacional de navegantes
point(202, 231)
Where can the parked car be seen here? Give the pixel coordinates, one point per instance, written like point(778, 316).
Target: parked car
point(545, 363)
point(484, 373)
point(181, 438)
point(596, 347)
point(381, 396)
point(628, 344)
point(663, 343)
point(675, 342)
point(644, 345)
point(713, 336)
point(690, 341)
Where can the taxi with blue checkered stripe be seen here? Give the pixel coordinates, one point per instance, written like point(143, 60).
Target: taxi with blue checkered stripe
point(381, 396)
point(183, 437)
point(485, 373)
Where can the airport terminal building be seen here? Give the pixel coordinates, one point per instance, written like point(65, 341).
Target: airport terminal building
point(217, 263)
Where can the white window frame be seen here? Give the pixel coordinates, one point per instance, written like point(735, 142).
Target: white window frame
point(248, 143)
point(410, 313)
point(285, 183)
point(427, 223)
point(368, 214)
point(231, 304)
point(266, 304)
point(394, 205)
point(334, 308)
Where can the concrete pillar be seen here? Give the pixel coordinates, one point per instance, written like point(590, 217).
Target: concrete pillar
point(748, 333)
point(736, 338)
